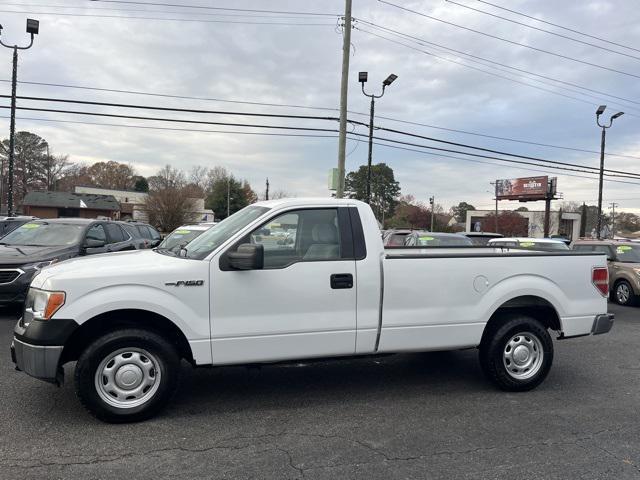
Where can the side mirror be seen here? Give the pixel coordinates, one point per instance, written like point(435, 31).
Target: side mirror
point(248, 256)
point(94, 243)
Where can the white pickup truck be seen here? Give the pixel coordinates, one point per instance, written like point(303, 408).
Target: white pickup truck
point(292, 279)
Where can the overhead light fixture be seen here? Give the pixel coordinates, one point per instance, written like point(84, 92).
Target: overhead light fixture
point(390, 79)
point(601, 109)
point(33, 26)
point(619, 114)
point(362, 77)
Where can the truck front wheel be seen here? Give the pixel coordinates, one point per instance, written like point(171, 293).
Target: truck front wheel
point(127, 375)
point(517, 354)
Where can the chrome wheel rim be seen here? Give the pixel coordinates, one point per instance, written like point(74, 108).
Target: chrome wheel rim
point(128, 377)
point(623, 293)
point(523, 356)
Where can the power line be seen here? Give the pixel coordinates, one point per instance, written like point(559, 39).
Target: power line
point(422, 41)
point(320, 136)
point(484, 12)
point(476, 68)
point(493, 163)
point(186, 97)
point(498, 158)
point(610, 172)
point(143, 10)
point(195, 130)
point(201, 7)
point(558, 26)
point(174, 120)
point(512, 42)
point(180, 97)
point(198, 20)
point(172, 109)
point(506, 139)
point(498, 152)
point(305, 117)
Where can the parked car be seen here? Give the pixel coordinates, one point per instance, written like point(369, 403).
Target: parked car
point(151, 236)
point(562, 238)
point(183, 235)
point(139, 241)
point(538, 244)
point(231, 300)
point(436, 239)
point(624, 267)
point(481, 238)
point(36, 244)
point(9, 224)
point(395, 237)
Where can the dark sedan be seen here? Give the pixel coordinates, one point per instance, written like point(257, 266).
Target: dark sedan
point(39, 243)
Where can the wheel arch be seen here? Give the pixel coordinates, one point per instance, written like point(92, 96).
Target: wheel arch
point(125, 318)
point(531, 305)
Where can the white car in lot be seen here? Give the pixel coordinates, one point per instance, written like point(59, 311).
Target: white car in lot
point(538, 244)
point(232, 297)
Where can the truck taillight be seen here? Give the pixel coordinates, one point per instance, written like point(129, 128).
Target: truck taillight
point(600, 279)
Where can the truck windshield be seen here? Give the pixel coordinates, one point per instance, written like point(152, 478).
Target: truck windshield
point(214, 237)
point(628, 253)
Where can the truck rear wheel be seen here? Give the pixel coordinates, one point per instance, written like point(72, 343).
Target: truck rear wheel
point(127, 376)
point(517, 354)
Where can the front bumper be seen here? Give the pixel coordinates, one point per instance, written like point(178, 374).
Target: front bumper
point(42, 362)
point(37, 348)
point(602, 323)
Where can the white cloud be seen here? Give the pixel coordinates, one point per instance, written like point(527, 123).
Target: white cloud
point(301, 65)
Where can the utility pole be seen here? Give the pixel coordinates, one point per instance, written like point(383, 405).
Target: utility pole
point(266, 196)
point(344, 88)
point(613, 218)
point(33, 27)
point(362, 78)
point(228, 195)
point(604, 127)
point(495, 184)
point(432, 202)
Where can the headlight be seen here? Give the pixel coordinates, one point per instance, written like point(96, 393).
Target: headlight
point(42, 305)
point(41, 265)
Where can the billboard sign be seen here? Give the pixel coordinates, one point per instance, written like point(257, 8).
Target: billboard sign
point(529, 188)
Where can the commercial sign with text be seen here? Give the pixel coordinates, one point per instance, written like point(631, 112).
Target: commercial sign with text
point(529, 188)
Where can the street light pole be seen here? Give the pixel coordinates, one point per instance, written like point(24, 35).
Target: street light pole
point(604, 127)
point(362, 78)
point(33, 27)
point(432, 201)
point(613, 219)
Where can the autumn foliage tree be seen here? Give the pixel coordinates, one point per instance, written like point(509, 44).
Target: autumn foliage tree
point(510, 224)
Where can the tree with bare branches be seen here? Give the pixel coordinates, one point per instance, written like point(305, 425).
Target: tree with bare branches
point(168, 204)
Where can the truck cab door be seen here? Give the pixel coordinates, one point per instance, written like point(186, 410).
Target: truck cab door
point(301, 304)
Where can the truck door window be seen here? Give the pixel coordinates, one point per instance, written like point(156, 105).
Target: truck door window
point(299, 236)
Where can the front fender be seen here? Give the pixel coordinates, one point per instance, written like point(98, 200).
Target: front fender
point(191, 317)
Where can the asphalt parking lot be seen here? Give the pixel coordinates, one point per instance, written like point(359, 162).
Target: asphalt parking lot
point(403, 416)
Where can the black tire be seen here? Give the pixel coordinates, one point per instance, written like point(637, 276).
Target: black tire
point(623, 294)
point(164, 372)
point(535, 340)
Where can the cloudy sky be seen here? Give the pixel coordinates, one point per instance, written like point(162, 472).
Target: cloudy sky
point(288, 60)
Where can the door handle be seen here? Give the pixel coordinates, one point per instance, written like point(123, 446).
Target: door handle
point(341, 280)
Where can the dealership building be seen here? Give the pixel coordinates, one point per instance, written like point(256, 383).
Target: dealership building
point(562, 223)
